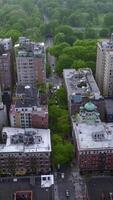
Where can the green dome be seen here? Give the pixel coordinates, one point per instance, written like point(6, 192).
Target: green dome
point(90, 106)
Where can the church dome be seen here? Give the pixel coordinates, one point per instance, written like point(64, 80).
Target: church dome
point(90, 106)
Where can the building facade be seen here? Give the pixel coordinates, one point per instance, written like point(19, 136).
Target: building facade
point(27, 110)
point(93, 139)
point(81, 87)
point(6, 64)
point(30, 62)
point(25, 151)
point(104, 65)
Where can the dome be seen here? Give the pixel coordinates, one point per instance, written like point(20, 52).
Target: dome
point(90, 106)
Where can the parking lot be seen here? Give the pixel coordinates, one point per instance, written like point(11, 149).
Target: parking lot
point(100, 188)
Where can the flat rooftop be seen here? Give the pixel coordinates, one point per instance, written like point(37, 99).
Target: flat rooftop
point(93, 136)
point(100, 188)
point(27, 48)
point(27, 96)
point(81, 82)
point(26, 140)
point(8, 188)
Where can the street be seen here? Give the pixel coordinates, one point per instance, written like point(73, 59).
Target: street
point(72, 182)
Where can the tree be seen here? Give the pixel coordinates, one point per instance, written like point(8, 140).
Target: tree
point(108, 20)
point(104, 32)
point(48, 70)
point(62, 151)
point(90, 33)
point(14, 34)
point(79, 64)
point(59, 38)
point(61, 96)
point(58, 49)
point(64, 62)
point(59, 120)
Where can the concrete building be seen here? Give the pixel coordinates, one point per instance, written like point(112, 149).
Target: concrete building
point(81, 87)
point(6, 64)
point(108, 75)
point(93, 139)
point(25, 151)
point(104, 66)
point(30, 62)
point(3, 113)
point(27, 110)
point(109, 109)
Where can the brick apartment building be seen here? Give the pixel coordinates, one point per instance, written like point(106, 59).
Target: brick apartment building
point(93, 140)
point(81, 87)
point(25, 151)
point(27, 109)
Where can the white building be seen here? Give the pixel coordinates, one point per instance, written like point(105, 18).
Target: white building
point(25, 151)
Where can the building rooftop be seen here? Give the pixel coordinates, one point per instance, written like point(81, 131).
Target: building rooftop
point(26, 140)
point(47, 181)
point(26, 96)
point(27, 48)
point(87, 116)
point(81, 83)
point(94, 136)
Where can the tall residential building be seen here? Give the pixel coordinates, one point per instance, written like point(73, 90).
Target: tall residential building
point(30, 62)
point(27, 109)
point(108, 75)
point(3, 113)
point(104, 66)
point(81, 87)
point(93, 140)
point(25, 151)
point(6, 64)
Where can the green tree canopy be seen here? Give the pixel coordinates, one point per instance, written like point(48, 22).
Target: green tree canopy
point(62, 151)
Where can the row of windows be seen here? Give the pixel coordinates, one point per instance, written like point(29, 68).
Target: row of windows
point(96, 152)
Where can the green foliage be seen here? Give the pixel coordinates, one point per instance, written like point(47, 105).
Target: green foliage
point(79, 64)
point(48, 70)
point(64, 62)
point(59, 120)
point(81, 54)
point(90, 33)
point(58, 49)
point(59, 38)
point(62, 151)
point(14, 34)
point(61, 97)
point(108, 20)
point(104, 33)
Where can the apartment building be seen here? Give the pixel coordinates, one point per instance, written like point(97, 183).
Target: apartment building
point(6, 64)
point(81, 87)
point(104, 66)
point(30, 62)
point(25, 151)
point(27, 110)
point(93, 140)
point(3, 113)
